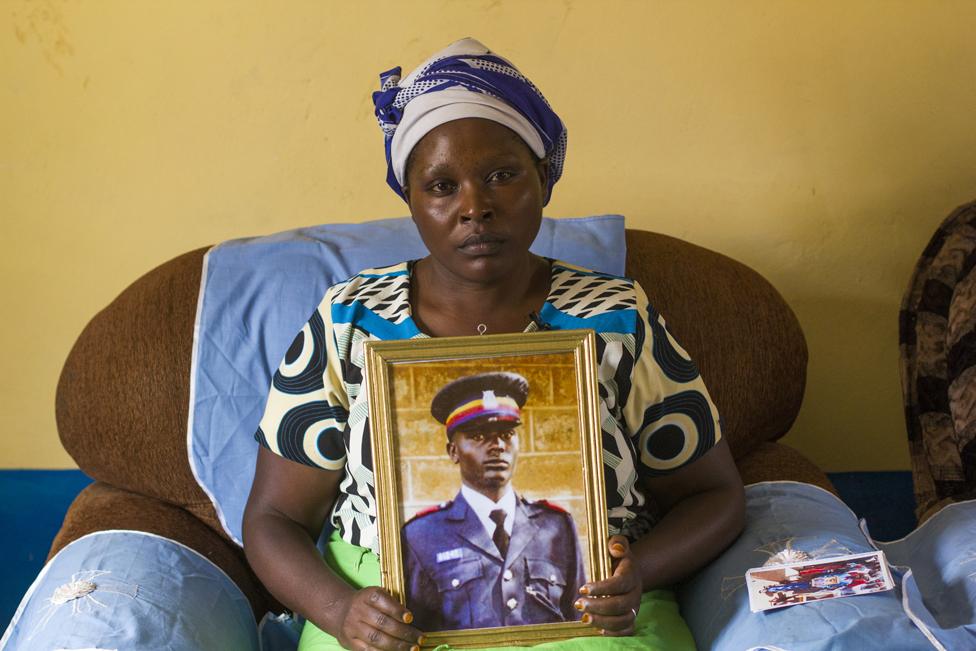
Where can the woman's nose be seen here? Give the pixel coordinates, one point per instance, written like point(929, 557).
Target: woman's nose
point(475, 203)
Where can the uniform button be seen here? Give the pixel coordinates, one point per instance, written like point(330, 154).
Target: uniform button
point(507, 575)
point(511, 603)
point(455, 583)
point(552, 578)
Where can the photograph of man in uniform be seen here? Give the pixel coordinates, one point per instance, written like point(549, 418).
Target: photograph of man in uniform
point(489, 557)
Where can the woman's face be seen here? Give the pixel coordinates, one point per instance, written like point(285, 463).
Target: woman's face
point(476, 192)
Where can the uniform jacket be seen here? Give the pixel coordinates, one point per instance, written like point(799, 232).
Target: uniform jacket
point(456, 578)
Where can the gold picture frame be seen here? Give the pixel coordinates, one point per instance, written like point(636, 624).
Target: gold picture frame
point(560, 368)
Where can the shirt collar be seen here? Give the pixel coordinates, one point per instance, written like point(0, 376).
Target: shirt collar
point(483, 506)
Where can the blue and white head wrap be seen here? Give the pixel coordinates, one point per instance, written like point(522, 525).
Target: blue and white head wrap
point(464, 80)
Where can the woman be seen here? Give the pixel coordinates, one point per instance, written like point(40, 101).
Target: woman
point(474, 149)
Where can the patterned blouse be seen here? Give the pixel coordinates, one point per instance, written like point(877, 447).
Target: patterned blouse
point(656, 415)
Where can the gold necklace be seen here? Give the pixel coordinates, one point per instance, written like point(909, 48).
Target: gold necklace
point(533, 317)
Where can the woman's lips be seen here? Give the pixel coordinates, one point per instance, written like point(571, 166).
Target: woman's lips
point(482, 244)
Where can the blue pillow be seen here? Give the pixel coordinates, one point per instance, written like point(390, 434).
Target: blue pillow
point(779, 514)
point(257, 293)
point(939, 559)
point(135, 591)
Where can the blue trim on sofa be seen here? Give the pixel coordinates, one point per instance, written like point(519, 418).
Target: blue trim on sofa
point(32, 507)
point(885, 499)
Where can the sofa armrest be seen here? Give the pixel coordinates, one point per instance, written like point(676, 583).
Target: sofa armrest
point(131, 589)
point(102, 507)
point(779, 462)
point(740, 331)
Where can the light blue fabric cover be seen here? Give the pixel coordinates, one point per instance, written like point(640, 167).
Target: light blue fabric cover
point(158, 594)
point(941, 586)
point(152, 594)
point(808, 518)
point(280, 632)
point(258, 292)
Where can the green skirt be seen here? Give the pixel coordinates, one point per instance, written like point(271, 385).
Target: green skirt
point(659, 624)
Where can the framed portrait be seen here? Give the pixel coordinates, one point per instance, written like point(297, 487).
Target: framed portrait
point(489, 483)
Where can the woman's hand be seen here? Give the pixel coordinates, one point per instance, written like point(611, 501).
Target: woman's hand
point(284, 516)
point(373, 619)
point(612, 605)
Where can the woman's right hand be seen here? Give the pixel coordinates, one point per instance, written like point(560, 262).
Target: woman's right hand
point(285, 512)
point(373, 619)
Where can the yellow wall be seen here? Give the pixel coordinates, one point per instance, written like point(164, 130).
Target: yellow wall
point(820, 143)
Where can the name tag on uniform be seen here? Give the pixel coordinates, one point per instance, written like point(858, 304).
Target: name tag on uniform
point(449, 555)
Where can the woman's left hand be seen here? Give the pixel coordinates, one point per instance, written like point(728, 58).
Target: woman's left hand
point(612, 605)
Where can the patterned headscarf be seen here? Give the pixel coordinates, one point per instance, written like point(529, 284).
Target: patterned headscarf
point(461, 81)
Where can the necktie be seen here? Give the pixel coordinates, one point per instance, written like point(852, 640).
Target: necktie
point(500, 537)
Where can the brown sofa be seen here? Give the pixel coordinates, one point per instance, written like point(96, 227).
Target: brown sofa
point(123, 395)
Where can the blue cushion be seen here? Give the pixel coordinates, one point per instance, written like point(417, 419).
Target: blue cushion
point(940, 587)
point(134, 591)
point(807, 518)
point(257, 293)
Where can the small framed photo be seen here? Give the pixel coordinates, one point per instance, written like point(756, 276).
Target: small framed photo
point(776, 586)
point(489, 483)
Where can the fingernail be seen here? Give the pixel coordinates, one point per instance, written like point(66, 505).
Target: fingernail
point(578, 605)
point(584, 590)
point(586, 619)
point(407, 617)
point(619, 549)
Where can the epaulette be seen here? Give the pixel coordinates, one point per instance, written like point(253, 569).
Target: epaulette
point(552, 507)
point(430, 509)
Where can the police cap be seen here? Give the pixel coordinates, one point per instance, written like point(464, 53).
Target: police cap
point(482, 401)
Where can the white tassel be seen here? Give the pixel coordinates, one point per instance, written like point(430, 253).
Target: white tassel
point(787, 556)
point(71, 591)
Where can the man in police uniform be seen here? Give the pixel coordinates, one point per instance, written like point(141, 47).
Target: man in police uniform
point(489, 558)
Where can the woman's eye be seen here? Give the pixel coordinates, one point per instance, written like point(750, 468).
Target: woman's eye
point(441, 187)
point(500, 176)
